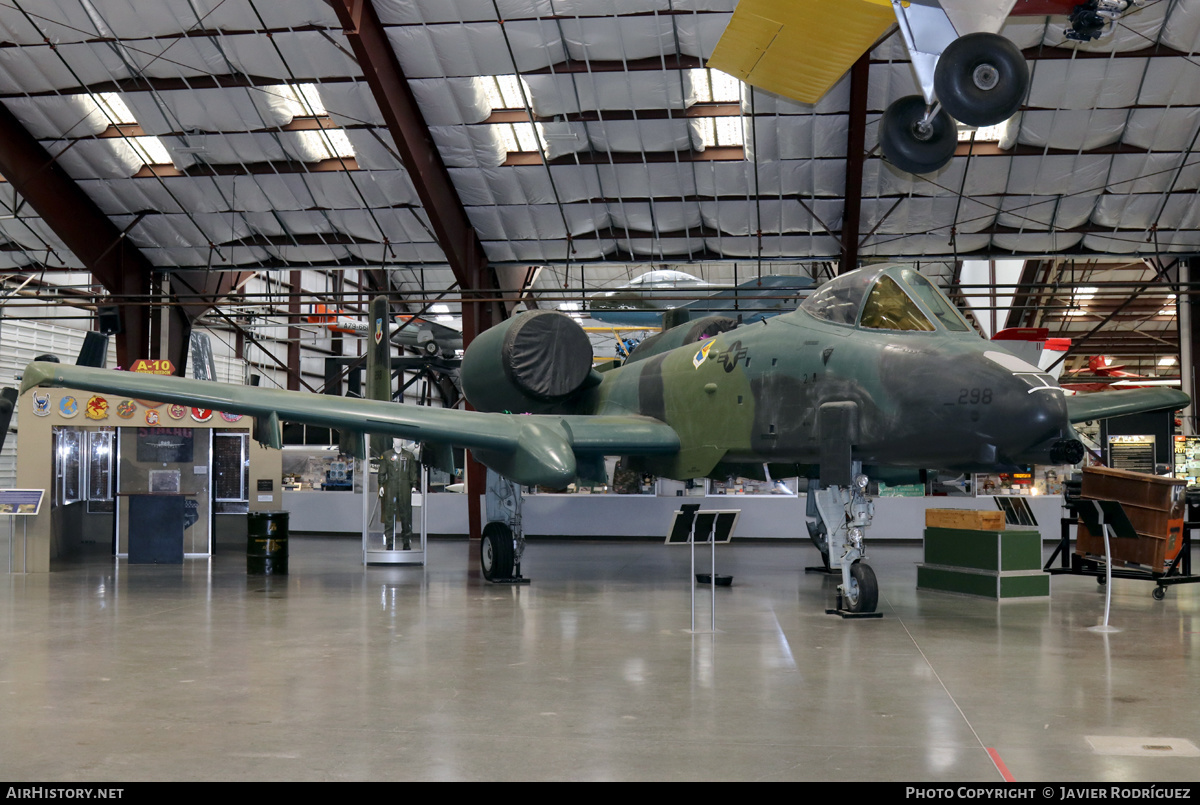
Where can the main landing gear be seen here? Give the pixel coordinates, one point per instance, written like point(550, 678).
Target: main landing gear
point(843, 514)
point(979, 80)
point(503, 538)
point(915, 138)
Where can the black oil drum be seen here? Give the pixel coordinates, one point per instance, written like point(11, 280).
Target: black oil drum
point(267, 543)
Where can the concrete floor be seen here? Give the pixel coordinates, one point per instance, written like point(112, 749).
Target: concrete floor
point(336, 672)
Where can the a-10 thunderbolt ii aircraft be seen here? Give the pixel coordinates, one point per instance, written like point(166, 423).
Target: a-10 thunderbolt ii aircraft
point(875, 373)
point(964, 68)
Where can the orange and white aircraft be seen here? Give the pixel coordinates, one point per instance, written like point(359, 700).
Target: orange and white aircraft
point(1102, 367)
point(965, 69)
point(421, 334)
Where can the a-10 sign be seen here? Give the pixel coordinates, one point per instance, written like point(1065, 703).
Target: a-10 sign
point(153, 366)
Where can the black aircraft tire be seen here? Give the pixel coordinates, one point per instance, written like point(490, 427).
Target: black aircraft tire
point(910, 149)
point(431, 348)
point(981, 79)
point(496, 554)
point(863, 595)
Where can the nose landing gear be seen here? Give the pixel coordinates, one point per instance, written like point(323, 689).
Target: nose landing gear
point(845, 513)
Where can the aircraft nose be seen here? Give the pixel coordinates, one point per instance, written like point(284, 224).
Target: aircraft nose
point(1017, 412)
point(1039, 431)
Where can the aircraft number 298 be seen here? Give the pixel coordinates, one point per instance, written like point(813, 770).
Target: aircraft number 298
point(975, 396)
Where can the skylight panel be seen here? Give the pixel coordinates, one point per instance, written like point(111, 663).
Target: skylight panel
point(721, 131)
point(983, 134)
point(151, 150)
point(504, 92)
point(518, 136)
point(328, 144)
point(301, 100)
point(713, 86)
point(114, 108)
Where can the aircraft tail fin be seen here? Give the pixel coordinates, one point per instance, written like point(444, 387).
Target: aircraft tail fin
point(379, 363)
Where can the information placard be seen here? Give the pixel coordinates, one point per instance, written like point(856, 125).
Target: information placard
point(21, 501)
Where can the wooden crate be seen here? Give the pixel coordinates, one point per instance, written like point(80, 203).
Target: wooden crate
point(1155, 553)
point(1134, 488)
point(965, 519)
point(1155, 507)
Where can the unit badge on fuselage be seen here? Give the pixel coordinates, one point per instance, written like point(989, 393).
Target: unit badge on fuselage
point(702, 354)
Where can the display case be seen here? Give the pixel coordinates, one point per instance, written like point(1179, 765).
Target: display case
point(394, 510)
point(1039, 480)
point(231, 472)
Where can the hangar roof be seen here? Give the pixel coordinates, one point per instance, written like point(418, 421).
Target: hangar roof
point(585, 135)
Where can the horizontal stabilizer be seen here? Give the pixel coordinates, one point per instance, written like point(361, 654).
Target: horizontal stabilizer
point(1105, 404)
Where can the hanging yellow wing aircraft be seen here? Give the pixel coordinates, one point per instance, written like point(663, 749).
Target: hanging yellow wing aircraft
point(965, 69)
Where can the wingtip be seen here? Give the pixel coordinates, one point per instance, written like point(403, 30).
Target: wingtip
point(38, 373)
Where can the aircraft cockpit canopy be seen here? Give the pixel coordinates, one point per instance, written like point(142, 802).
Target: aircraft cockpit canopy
point(839, 299)
point(889, 308)
point(881, 299)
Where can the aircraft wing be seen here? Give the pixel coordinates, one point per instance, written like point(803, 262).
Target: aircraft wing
point(1104, 404)
point(799, 48)
point(529, 449)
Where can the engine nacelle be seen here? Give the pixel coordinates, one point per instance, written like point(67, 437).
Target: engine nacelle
point(534, 363)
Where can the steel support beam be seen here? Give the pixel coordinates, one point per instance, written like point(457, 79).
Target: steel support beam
point(86, 231)
point(102, 248)
point(414, 142)
point(856, 153)
point(415, 145)
point(191, 294)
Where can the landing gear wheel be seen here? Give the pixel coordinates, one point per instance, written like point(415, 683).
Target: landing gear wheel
point(431, 349)
point(981, 79)
point(496, 554)
point(1159, 593)
point(913, 145)
point(863, 595)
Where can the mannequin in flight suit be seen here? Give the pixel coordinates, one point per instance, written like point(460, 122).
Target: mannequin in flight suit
point(398, 474)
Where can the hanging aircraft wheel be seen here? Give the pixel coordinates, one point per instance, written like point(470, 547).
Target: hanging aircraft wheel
point(910, 143)
point(431, 348)
point(863, 595)
point(1159, 593)
point(496, 554)
point(981, 79)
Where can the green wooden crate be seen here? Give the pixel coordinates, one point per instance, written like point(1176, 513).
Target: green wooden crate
point(984, 550)
point(993, 564)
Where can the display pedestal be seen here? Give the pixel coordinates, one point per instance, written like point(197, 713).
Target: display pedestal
point(993, 564)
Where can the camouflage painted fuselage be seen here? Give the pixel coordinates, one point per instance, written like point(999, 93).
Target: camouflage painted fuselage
point(924, 399)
